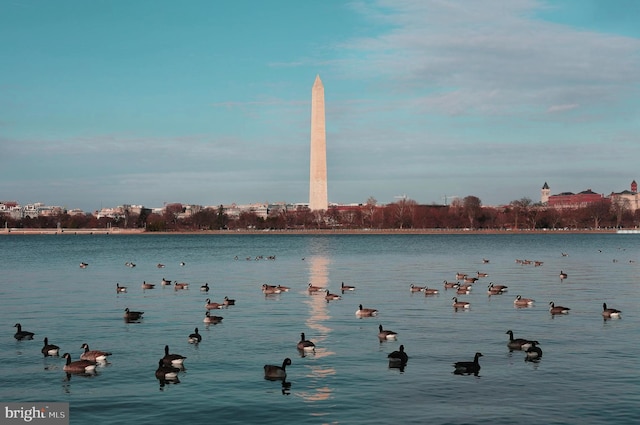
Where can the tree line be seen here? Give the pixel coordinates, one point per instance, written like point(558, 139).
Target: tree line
point(465, 213)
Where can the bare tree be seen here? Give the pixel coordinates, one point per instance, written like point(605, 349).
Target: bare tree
point(403, 212)
point(620, 207)
point(520, 208)
point(472, 207)
point(598, 211)
point(370, 210)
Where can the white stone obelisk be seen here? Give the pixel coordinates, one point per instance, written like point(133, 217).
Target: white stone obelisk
point(318, 199)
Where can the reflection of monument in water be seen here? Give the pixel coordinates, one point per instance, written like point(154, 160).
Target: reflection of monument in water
point(318, 316)
point(318, 276)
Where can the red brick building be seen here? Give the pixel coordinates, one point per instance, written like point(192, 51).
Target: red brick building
point(576, 200)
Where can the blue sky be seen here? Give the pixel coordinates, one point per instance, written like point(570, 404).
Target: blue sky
point(109, 102)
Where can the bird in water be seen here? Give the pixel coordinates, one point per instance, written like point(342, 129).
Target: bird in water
point(94, 355)
point(462, 368)
point(172, 359)
point(132, 316)
point(195, 337)
point(304, 344)
point(534, 352)
point(49, 349)
point(22, 335)
point(384, 334)
point(517, 343)
point(273, 372)
point(610, 313)
point(398, 358)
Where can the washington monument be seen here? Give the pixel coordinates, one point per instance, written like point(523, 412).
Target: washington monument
point(318, 199)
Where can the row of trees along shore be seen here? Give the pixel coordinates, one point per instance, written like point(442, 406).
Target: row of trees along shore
point(465, 213)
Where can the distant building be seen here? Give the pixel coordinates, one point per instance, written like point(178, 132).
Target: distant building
point(12, 209)
point(569, 200)
point(628, 198)
point(115, 213)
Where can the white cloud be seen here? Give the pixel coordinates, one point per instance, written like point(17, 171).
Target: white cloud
point(562, 108)
point(483, 57)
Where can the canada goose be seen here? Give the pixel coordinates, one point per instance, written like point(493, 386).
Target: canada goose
point(468, 367)
point(483, 274)
point(449, 285)
point(557, 309)
point(212, 306)
point(430, 291)
point(366, 312)
point(182, 264)
point(172, 359)
point(460, 290)
point(533, 352)
point(496, 289)
point(205, 287)
point(610, 312)
point(208, 318)
point(132, 316)
point(459, 304)
point(20, 334)
point(470, 279)
point(485, 261)
point(120, 289)
point(166, 372)
point(386, 334)
point(517, 343)
point(195, 337)
point(270, 289)
point(460, 276)
point(414, 288)
point(166, 282)
point(398, 358)
point(130, 264)
point(329, 296)
point(523, 302)
point(227, 301)
point(93, 355)
point(273, 372)
point(146, 285)
point(304, 344)
point(283, 288)
point(160, 266)
point(563, 275)
point(78, 366)
point(49, 349)
point(344, 287)
point(538, 263)
point(177, 286)
point(312, 288)
point(83, 265)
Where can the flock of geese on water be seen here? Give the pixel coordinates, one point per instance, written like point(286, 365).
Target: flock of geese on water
point(168, 366)
point(171, 364)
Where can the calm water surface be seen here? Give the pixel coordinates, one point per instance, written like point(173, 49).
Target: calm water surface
point(588, 374)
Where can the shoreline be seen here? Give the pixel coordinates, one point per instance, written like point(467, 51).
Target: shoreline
point(118, 231)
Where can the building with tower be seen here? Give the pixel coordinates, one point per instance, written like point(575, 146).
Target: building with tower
point(544, 193)
point(627, 198)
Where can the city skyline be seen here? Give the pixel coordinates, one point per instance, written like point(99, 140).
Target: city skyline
point(111, 103)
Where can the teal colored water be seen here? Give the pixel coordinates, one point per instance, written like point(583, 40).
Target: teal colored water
point(588, 374)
